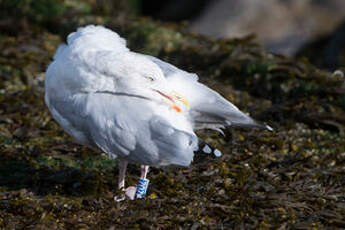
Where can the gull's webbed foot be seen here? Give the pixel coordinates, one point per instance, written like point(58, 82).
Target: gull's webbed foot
point(129, 193)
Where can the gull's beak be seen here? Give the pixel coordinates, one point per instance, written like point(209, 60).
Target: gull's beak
point(178, 97)
point(173, 97)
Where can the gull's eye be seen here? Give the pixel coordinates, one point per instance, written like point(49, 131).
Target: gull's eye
point(150, 78)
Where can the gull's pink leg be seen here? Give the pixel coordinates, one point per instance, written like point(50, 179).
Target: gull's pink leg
point(130, 191)
point(144, 171)
point(122, 173)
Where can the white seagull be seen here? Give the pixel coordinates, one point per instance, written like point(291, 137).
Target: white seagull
point(132, 106)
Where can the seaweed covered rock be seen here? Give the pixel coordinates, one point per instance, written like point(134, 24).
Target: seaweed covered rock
point(292, 178)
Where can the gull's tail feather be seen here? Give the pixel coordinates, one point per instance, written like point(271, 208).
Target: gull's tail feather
point(251, 123)
point(204, 148)
point(269, 128)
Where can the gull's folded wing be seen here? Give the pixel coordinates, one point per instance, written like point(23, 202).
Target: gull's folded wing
point(105, 121)
point(208, 108)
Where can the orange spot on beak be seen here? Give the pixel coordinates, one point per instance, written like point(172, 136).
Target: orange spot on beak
point(176, 108)
point(172, 101)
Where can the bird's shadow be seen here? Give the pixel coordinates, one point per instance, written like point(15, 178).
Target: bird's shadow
point(23, 172)
point(16, 174)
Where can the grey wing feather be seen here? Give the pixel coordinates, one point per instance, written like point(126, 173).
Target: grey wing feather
point(91, 120)
point(59, 51)
point(208, 108)
point(175, 145)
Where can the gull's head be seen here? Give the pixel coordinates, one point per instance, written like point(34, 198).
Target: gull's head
point(138, 74)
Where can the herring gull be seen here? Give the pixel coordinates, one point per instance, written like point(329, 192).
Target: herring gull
point(130, 105)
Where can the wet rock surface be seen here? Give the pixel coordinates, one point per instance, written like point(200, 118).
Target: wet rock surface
point(292, 178)
point(282, 26)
